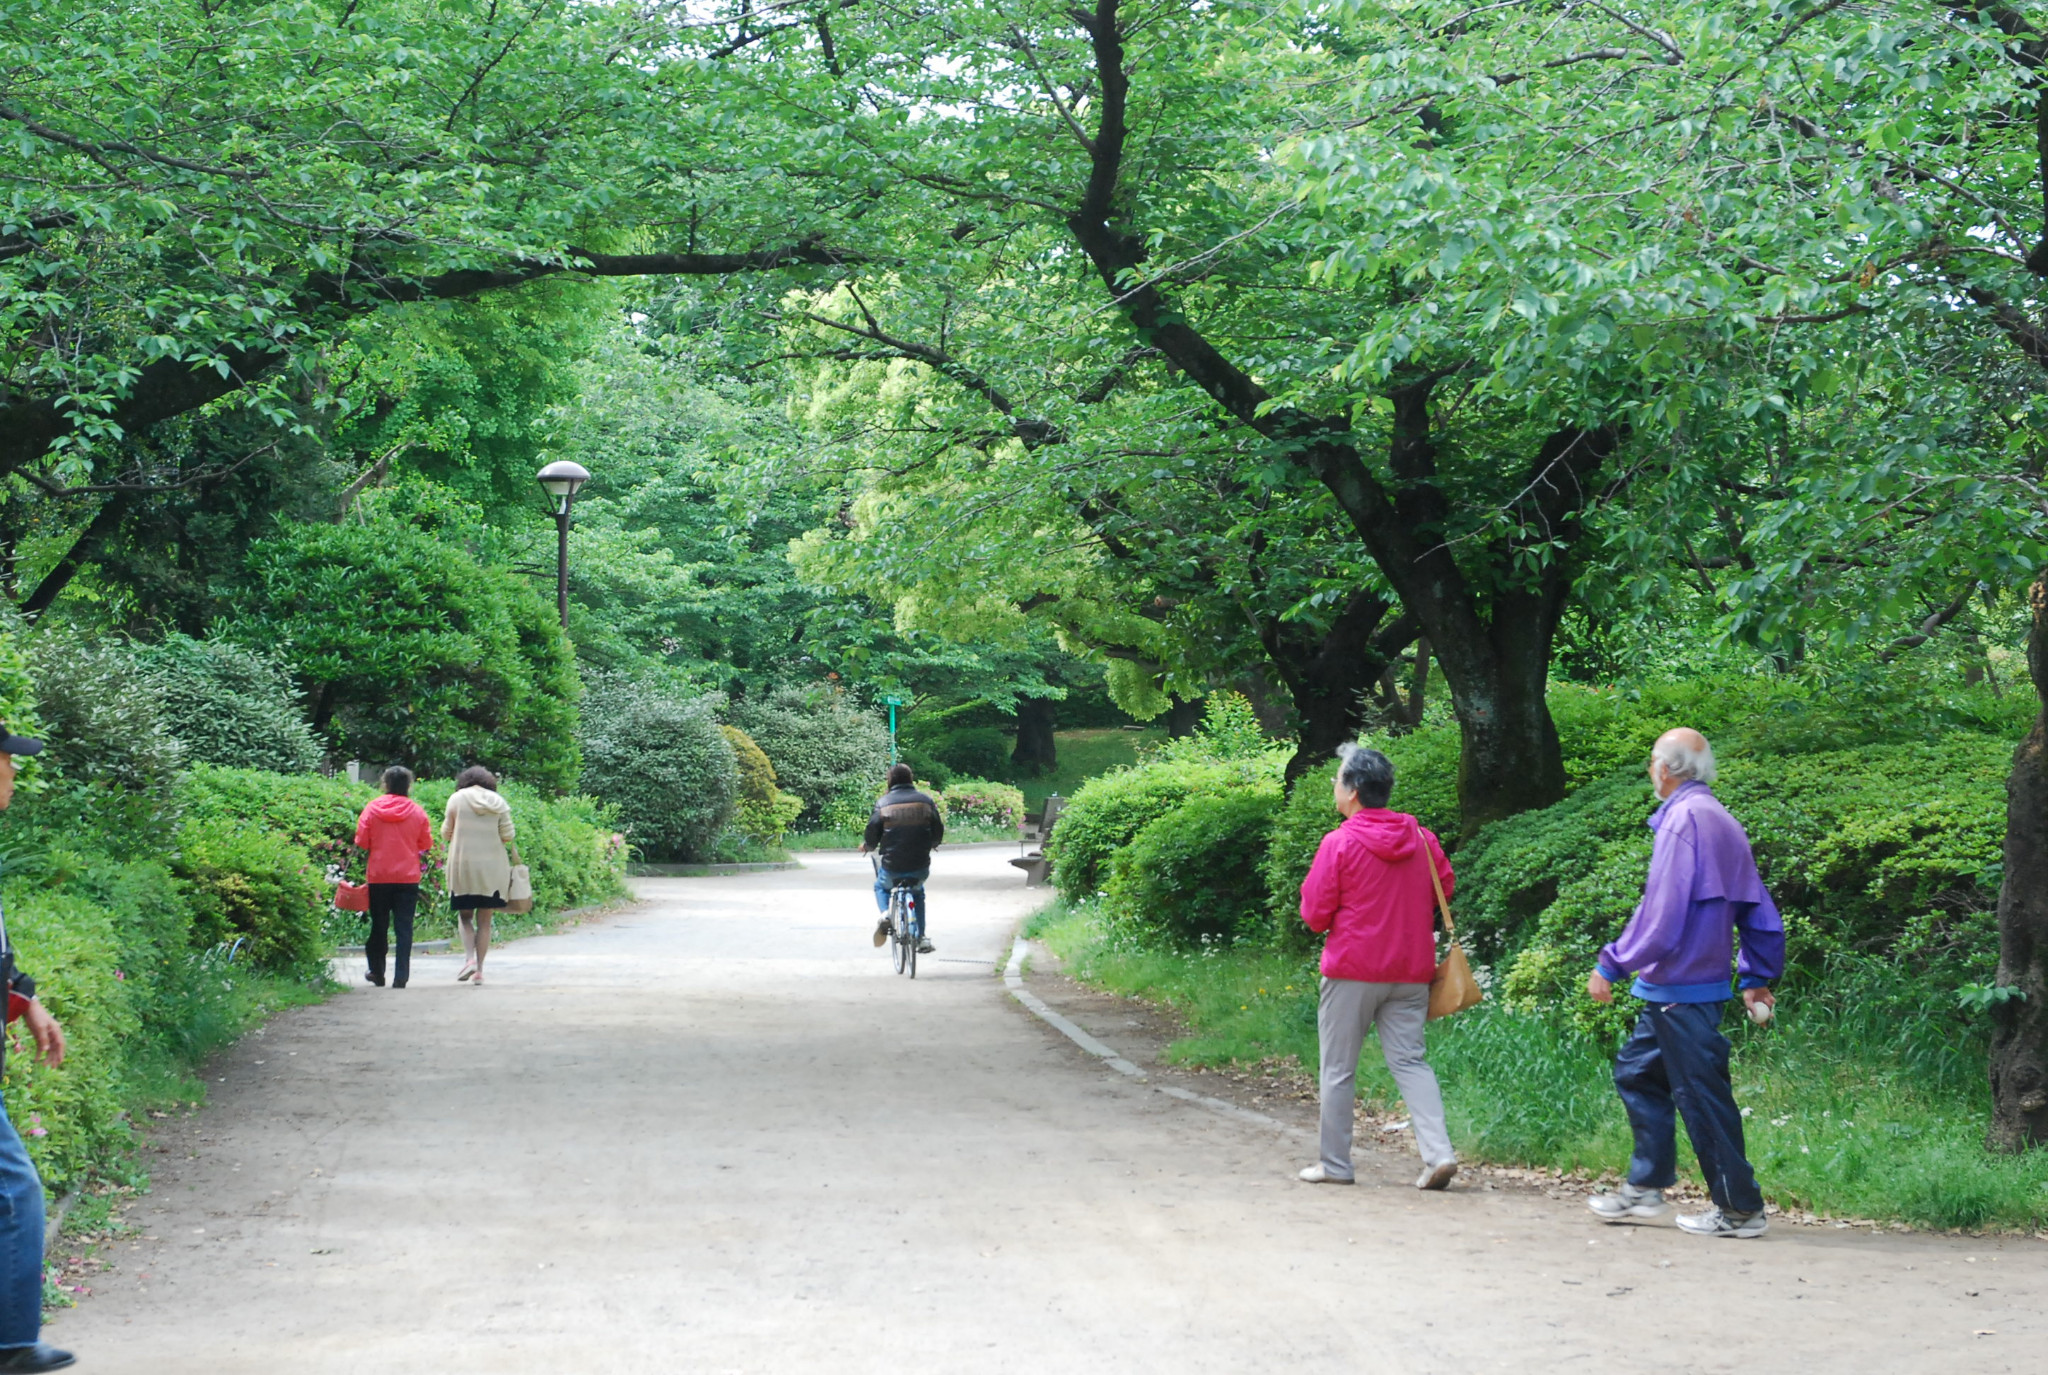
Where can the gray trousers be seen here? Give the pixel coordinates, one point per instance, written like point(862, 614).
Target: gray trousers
point(1347, 1008)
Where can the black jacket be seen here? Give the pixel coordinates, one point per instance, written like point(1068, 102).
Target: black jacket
point(905, 827)
point(13, 980)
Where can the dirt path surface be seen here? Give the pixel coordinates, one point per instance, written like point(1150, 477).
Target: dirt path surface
point(716, 1134)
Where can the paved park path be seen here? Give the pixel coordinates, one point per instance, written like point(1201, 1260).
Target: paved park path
point(715, 1133)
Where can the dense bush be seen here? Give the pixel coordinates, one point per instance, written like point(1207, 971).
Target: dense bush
point(100, 715)
point(971, 752)
point(1193, 875)
point(1107, 812)
point(225, 704)
point(570, 843)
point(978, 802)
point(412, 651)
point(825, 749)
point(253, 885)
point(764, 811)
point(662, 761)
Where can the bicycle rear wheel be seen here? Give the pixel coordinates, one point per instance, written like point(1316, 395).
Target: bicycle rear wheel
point(899, 931)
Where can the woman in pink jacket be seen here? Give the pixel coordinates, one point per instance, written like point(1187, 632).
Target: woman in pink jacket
point(1369, 889)
point(395, 831)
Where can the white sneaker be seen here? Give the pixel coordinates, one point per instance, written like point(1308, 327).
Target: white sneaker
point(1628, 1201)
point(1715, 1223)
point(1438, 1176)
point(1316, 1174)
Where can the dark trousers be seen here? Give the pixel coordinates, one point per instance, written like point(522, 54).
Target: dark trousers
point(1679, 1058)
point(392, 907)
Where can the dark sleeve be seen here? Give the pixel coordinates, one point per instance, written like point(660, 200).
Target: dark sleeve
point(873, 836)
point(21, 983)
point(938, 825)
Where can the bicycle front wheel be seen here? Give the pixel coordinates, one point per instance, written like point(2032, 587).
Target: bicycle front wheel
point(899, 933)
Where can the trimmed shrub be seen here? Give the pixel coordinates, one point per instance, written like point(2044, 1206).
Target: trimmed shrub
point(825, 749)
point(253, 885)
point(764, 811)
point(1109, 810)
point(1309, 814)
point(413, 651)
point(978, 802)
point(228, 705)
point(71, 1117)
point(1193, 876)
point(663, 763)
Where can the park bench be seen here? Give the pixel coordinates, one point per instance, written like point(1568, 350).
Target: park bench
point(1032, 836)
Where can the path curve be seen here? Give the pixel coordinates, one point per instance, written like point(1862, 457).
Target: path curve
point(716, 1134)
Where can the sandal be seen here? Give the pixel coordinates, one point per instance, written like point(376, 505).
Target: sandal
point(468, 972)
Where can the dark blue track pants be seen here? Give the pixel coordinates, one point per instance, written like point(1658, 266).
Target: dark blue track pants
point(1676, 1065)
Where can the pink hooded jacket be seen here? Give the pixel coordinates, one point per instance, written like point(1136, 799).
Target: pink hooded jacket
point(1368, 891)
point(395, 832)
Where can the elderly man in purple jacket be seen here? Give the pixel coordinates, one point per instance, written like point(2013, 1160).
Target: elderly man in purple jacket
point(1703, 888)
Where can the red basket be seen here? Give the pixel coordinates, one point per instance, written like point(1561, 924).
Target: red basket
point(353, 897)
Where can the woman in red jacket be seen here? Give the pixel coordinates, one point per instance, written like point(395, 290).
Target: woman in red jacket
point(397, 834)
point(1370, 890)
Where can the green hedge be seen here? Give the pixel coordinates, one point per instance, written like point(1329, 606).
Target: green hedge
point(1193, 876)
point(1108, 811)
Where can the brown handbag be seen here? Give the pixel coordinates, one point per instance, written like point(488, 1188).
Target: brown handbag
point(1453, 989)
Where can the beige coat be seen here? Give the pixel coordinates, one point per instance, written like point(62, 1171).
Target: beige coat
point(477, 828)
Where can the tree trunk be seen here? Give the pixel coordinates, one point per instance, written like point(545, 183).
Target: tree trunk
point(1182, 716)
point(1509, 758)
point(1037, 751)
point(2019, 1041)
point(82, 552)
point(1328, 676)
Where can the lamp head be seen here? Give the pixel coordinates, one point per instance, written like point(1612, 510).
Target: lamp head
point(561, 479)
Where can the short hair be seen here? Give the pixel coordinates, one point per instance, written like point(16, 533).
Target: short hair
point(1367, 773)
point(1682, 761)
point(900, 776)
point(398, 779)
point(477, 776)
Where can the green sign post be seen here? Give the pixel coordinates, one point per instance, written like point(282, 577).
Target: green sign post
point(892, 703)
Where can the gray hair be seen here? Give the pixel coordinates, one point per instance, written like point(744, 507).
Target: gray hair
point(1682, 761)
point(1367, 773)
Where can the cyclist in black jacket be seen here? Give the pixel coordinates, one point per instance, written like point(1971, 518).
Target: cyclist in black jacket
point(21, 1189)
point(905, 828)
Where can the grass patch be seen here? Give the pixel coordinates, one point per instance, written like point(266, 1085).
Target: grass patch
point(1849, 1115)
point(1082, 755)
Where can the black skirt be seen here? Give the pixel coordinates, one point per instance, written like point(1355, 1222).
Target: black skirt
point(470, 902)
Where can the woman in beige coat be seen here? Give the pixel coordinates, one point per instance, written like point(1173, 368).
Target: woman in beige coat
point(477, 829)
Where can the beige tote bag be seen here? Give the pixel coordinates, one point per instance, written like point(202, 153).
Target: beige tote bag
point(1453, 989)
point(519, 895)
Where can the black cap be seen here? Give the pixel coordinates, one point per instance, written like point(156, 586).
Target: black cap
point(19, 744)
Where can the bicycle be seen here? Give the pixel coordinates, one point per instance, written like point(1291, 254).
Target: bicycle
point(903, 934)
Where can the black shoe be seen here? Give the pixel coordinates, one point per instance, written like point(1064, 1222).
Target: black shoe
point(41, 1356)
point(398, 983)
point(377, 979)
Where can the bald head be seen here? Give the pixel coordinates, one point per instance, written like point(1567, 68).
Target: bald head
point(1679, 756)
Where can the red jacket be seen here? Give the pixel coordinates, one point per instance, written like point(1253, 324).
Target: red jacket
point(395, 832)
point(1368, 889)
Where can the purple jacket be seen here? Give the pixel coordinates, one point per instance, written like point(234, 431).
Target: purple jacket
point(1703, 888)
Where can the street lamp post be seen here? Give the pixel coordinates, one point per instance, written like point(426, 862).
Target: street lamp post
point(560, 480)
